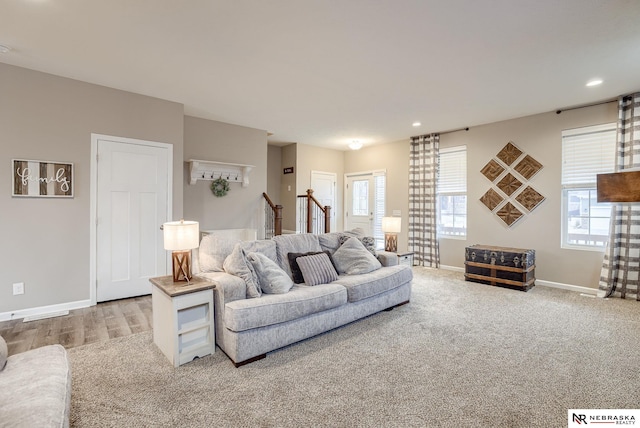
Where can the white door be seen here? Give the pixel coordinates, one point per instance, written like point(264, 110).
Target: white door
point(324, 190)
point(132, 202)
point(360, 203)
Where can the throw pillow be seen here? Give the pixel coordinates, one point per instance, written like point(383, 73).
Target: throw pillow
point(317, 269)
point(271, 278)
point(330, 241)
point(4, 352)
point(213, 250)
point(296, 273)
point(368, 242)
point(236, 264)
point(353, 258)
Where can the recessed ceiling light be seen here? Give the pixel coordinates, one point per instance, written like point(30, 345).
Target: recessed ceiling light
point(4, 49)
point(355, 145)
point(594, 82)
point(416, 124)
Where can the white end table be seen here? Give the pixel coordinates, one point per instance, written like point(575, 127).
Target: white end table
point(183, 323)
point(405, 258)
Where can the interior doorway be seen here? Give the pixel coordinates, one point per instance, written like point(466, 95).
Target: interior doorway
point(324, 190)
point(365, 203)
point(131, 197)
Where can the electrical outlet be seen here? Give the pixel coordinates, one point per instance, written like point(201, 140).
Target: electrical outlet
point(18, 288)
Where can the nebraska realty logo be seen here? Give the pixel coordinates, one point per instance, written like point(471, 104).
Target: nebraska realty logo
point(598, 417)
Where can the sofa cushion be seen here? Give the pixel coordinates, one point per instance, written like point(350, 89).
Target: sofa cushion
point(271, 278)
point(317, 269)
point(370, 284)
point(4, 353)
point(262, 246)
point(36, 389)
point(270, 309)
point(353, 258)
point(294, 243)
point(330, 241)
point(214, 249)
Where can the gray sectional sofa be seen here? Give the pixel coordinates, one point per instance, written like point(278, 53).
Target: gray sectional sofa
point(35, 387)
point(247, 328)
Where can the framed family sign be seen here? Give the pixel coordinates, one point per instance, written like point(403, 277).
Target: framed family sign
point(42, 179)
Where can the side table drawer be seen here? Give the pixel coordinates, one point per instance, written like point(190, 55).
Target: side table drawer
point(405, 259)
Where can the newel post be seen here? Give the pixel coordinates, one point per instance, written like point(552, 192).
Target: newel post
point(309, 211)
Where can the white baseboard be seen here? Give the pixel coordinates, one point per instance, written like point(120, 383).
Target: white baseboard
point(289, 232)
point(44, 311)
point(570, 287)
point(453, 268)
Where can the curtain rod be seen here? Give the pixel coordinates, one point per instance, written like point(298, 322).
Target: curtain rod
point(626, 98)
point(588, 105)
point(441, 133)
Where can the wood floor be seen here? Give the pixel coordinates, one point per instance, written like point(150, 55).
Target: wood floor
point(82, 326)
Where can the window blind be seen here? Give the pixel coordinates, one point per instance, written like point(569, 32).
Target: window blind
point(452, 170)
point(379, 186)
point(587, 152)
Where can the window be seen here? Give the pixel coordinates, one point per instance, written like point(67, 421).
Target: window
point(452, 192)
point(360, 197)
point(379, 182)
point(586, 152)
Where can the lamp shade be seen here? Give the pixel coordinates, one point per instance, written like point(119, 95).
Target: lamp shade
point(181, 235)
point(391, 224)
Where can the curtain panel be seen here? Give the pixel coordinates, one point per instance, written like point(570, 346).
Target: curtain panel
point(621, 265)
point(423, 172)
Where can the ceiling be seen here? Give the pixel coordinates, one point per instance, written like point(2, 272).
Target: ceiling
point(325, 72)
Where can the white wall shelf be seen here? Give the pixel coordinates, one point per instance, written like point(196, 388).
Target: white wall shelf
point(212, 170)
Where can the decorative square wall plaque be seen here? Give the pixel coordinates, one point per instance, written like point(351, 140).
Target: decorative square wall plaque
point(528, 167)
point(492, 170)
point(42, 179)
point(491, 199)
point(509, 184)
point(509, 153)
point(509, 214)
point(529, 198)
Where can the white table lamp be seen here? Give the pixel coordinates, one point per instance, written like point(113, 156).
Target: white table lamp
point(391, 226)
point(180, 237)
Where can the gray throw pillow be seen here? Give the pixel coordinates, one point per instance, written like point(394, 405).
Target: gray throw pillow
point(317, 269)
point(368, 242)
point(4, 353)
point(353, 258)
point(271, 278)
point(236, 264)
point(296, 273)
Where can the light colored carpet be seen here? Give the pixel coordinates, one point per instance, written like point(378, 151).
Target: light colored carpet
point(460, 354)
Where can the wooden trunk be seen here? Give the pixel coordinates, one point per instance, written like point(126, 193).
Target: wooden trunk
point(504, 267)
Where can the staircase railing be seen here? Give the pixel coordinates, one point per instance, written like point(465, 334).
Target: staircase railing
point(314, 218)
point(272, 218)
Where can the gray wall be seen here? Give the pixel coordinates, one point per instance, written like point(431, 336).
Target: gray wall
point(288, 187)
point(45, 117)
point(313, 158)
point(242, 207)
point(539, 136)
point(394, 158)
point(274, 173)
